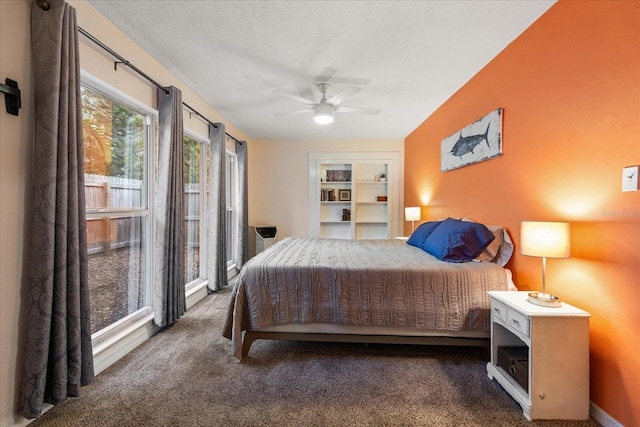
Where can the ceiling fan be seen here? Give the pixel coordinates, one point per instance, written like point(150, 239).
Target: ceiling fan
point(323, 110)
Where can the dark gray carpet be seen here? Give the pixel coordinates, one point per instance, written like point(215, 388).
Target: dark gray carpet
point(187, 376)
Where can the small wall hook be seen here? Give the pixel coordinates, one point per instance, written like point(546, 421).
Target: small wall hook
point(11, 96)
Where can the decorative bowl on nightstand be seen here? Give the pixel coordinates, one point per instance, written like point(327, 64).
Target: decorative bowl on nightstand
point(545, 300)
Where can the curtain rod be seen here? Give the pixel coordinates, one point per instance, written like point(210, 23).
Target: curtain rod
point(45, 6)
point(123, 61)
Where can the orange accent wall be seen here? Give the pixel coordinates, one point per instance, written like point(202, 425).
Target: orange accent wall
point(570, 89)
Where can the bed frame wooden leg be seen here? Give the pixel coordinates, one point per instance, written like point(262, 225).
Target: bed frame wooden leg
point(249, 338)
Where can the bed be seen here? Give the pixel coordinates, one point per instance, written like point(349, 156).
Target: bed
point(366, 291)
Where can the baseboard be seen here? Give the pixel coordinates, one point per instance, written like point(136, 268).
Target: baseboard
point(604, 419)
point(20, 421)
point(196, 294)
point(109, 352)
point(115, 348)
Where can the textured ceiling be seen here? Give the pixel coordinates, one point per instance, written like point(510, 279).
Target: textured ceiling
point(408, 57)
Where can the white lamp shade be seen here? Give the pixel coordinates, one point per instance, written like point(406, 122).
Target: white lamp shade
point(412, 214)
point(323, 114)
point(545, 239)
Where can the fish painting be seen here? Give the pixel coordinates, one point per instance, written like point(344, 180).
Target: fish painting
point(483, 141)
point(466, 144)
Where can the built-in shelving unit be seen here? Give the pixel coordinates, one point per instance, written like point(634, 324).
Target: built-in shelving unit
point(352, 195)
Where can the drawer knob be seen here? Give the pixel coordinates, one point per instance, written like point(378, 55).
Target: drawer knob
point(496, 309)
point(515, 322)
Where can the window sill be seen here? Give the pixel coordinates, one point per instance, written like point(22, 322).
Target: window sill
point(111, 345)
point(112, 348)
point(196, 293)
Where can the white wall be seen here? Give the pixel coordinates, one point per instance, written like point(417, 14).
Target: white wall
point(15, 181)
point(16, 144)
point(278, 178)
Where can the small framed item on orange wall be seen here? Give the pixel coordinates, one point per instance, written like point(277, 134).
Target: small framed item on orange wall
point(630, 178)
point(344, 195)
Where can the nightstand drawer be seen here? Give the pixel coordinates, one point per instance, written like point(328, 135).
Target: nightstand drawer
point(498, 310)
point(518, 322)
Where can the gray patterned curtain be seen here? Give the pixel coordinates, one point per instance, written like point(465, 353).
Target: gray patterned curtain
point(58, 358)
point(216, 210)
point(169, 296)
point(242, 255)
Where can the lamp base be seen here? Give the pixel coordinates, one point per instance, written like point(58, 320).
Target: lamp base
point(545, 300)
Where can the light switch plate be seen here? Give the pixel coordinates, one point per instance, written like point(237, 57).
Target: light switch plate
point(630, 178)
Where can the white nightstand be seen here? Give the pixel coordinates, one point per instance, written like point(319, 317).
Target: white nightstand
point(558, 348)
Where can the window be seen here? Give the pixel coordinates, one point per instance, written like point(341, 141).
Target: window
point(117, 139)
point(196, 177)
point(231, 191)
point(194, 206)
point(119, 160)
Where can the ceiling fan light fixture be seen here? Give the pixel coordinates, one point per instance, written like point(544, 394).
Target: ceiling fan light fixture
point(323, 114)
point(323, 119)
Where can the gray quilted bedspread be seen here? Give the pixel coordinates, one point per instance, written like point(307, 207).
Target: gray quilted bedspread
point(360, 282)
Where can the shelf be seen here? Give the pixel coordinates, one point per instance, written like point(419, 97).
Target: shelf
point(337, 202)
point(371, 203)
point(524, 394)
point(367, 181)
point(335, 222)
point(335, 182)
point(381, 222)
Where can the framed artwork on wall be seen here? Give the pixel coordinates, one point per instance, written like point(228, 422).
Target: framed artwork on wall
point(477, 142)
point(344, 195)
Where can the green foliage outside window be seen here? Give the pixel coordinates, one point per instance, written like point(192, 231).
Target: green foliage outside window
point(112, 136)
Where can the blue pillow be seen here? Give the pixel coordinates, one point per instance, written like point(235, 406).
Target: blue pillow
point(421, 233)
point(458, 241)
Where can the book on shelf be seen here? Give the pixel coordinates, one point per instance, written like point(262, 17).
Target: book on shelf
point(339, 175)
point(328, 195)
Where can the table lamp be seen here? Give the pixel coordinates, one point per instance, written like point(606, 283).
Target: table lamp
point(412, 214)
point(545, 240)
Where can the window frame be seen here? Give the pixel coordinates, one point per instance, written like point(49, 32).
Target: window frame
point(108, 333)
point(231, 159)
point(202, 200)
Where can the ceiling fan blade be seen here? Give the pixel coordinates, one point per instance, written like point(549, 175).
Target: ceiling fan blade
point(304, 110)
point(294, 96)
point(356, 110)
point(343, 94)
